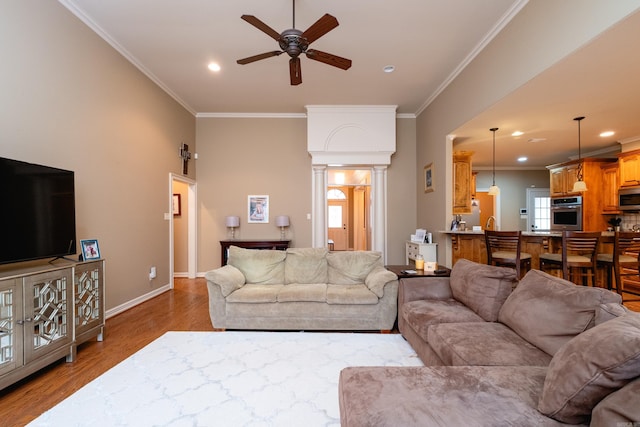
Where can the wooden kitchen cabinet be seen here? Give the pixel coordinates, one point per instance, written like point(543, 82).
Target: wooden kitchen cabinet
point(611, 182)
point(462, 179)
point(629, 164)
point(562, 179)
point(564, 175)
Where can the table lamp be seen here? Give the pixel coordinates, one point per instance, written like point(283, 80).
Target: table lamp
point(232, 222)
point(282, 221)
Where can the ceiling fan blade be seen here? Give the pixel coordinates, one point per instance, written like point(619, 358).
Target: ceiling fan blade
point(295, 72)
point(321, 27)
point(261, 26)
point(255, 58)
point(328, 58)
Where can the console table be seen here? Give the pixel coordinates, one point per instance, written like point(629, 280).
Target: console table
point(280, 245)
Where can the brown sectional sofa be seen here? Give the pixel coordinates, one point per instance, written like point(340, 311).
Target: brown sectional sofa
point(545, 353)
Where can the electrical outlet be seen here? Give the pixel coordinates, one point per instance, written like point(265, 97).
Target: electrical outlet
point(152, 273)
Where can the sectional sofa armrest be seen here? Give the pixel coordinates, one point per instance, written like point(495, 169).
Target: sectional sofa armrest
point(378, 278)
point(421, 288)
point(227, 278)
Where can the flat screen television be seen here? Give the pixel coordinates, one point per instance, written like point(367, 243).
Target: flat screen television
point(37, 212)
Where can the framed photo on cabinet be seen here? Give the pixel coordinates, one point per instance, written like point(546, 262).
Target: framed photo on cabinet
point(90, 249)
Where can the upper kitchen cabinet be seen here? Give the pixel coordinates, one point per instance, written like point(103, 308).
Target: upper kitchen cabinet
point(611, 182)
point(462, 181)
point(629, 164)
point(562, 179)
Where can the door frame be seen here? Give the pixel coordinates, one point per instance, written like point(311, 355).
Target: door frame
point(192, 243)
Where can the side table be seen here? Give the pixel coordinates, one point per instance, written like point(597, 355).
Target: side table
point(399, 271)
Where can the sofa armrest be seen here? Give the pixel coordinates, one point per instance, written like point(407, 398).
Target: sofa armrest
point(228, 278)
point(378, 278)
point(420, 288)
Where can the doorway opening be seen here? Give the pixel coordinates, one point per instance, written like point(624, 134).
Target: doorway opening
point(349, 209)
point(182, 228)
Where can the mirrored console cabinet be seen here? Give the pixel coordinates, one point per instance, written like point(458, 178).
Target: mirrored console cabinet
point(46, 311)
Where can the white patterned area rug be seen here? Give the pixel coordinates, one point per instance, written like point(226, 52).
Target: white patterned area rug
point(229, 379)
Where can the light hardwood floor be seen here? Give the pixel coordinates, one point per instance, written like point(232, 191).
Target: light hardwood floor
point(185, 308)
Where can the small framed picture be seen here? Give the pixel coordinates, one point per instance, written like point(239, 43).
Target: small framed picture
point(177, 205)
point(90, 249)
point(258, 209)
point(428, 178)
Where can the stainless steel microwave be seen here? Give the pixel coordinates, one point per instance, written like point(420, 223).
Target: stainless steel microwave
point(629, 199)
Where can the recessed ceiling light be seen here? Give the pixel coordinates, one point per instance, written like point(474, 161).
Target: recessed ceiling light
point(213, 67)
point(389, 69)
point(522, 159)
point(517, 133)
point(607, 133)
point(536, 139)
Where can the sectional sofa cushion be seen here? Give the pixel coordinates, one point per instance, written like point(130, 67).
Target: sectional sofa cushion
point(422, 314)
point(483, 344)
point(620, 408)
point(591, 366)
point(263, 267)
point(351, 267)
point(305, 265)
point(548, 311)
point(610, 311)
point(482, 288)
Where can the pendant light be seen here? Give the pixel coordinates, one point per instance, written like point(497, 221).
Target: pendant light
point(579, 186)
point(494, 190)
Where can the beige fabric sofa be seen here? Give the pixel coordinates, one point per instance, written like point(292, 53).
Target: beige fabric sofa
point(547, 353)
point(302, 289)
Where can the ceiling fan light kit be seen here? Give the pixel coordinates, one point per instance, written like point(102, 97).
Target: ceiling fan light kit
point(295, 42)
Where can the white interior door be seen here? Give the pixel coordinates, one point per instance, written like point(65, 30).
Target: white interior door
point(538, 209)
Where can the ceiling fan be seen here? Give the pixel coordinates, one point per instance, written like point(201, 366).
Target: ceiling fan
point(294, 42)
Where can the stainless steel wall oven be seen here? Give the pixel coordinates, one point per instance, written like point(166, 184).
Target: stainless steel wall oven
point(566, 213)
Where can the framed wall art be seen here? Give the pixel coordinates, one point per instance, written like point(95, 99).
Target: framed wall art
point(258, 209)
point(90, 249)
point(177, 205)
point(428, 178)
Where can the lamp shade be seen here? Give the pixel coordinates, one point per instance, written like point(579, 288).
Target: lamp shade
point(232, 221)
point(579, 187)
point(282, 221)
point(494, 190)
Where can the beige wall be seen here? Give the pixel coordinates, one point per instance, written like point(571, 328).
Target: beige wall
point(238, 157)
point(69, 100)
point(520, 52)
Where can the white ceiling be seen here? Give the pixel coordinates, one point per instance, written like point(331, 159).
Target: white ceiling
point(428, 41)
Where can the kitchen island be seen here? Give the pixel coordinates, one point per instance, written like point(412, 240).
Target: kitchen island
point(471, 245)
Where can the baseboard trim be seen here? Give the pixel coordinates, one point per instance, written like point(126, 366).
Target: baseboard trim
point(136, 301)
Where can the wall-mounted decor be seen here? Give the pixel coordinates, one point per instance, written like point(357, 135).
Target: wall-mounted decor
point(177, 205)
point(258, 209)
point(90, 249)
point(428, 178)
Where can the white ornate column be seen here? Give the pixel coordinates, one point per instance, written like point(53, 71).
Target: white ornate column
point(319, 207)
point(379, 204)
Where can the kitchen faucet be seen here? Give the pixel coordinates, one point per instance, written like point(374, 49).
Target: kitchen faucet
point(489, 221)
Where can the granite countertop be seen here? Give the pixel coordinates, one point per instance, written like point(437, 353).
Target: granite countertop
point(524, 233)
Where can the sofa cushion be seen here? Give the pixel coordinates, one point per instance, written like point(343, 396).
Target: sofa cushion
point(620, 408)
point(351, 267)
point(306, 265)
point(548, 311)
point(482, 288)
point(441, 396)
point(259, 266)
point(610, 311)
point(483, 344)
point(350, 294)
point(422, 314)
point(252, 293)
point(591, 366)
point(315, 292)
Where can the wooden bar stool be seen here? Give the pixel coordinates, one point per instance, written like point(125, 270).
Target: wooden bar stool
point(578, 254)
point(624, 261)
point(503, 249)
